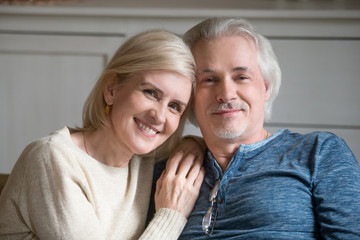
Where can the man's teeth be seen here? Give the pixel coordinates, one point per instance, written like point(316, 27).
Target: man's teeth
point(148, 130)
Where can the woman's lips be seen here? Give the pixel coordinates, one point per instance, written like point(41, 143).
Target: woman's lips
point(148, 129)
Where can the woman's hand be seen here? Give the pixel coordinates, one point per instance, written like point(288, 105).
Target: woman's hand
point(179, 185)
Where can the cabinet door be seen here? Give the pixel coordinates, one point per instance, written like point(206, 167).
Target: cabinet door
point(320, 83)
point(45, 80)
point(319, 90)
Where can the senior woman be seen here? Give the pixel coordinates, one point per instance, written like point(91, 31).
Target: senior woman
point(94, 182)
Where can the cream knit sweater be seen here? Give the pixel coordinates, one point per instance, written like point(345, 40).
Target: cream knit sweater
point(56, 191)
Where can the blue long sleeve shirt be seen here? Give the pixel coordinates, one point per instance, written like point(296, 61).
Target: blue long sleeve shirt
point(289, 186)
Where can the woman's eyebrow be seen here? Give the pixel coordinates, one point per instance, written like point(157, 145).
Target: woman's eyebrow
point(148, 84)
point(144, 83)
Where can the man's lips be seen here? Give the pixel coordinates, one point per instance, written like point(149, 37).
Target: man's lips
point(227, 112)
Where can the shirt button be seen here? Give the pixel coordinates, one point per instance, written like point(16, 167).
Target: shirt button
point(221, 200)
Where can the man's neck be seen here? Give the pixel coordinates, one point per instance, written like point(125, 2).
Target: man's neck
point(223, 153)
point(224, 149)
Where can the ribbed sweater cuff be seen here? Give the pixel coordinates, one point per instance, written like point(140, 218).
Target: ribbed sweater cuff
point(167, 224)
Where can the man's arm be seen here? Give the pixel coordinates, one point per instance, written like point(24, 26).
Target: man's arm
point(337, 191)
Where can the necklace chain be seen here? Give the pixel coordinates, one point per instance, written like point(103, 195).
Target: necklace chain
point(85, 144)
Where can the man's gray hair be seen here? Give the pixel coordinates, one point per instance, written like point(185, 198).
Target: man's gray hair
point(214, 28)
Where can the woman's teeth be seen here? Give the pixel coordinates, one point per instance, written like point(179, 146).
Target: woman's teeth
point(146, 129)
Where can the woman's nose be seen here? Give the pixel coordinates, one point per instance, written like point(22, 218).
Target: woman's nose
point(157, 113)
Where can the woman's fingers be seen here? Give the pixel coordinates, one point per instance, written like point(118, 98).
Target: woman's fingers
point(173, 162)
point(192, 172)
point(187, 164)
point(199, 179)
point(179, 185)
point(188, 147)
point(179, 191)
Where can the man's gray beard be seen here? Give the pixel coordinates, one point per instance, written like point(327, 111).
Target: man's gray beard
point(228, 133)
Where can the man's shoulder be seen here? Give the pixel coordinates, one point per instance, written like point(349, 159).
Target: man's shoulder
point(322, 142)
point(311, 136)
point(159, 168)
point(316, 140)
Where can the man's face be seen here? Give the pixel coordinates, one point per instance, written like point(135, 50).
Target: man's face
point(230, 90)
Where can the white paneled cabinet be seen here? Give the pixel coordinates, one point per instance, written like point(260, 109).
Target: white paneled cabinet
point(51, 57)
point(320, 83)
point(44, 83)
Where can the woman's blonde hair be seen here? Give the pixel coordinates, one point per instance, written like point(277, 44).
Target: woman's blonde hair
point(146, 51)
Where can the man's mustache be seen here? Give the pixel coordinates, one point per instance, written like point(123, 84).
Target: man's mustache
point(229, 106)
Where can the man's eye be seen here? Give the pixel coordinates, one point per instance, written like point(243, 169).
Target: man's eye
point(242, 77)
point(210, 79)
point(207, 80)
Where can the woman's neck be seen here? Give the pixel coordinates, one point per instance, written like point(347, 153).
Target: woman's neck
point(103, 146)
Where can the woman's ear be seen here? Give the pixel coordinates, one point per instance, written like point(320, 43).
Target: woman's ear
point(108, 92)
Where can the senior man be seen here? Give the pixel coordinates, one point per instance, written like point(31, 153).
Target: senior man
point(260, 185)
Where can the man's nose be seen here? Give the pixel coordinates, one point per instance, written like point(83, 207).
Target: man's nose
point(226, 90)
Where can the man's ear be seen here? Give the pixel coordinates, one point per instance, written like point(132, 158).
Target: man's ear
point(267, 93)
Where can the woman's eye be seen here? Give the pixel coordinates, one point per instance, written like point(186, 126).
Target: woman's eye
point(175, 107)
point(150, 92)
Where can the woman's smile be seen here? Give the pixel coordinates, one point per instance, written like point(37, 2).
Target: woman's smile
point(147, 128)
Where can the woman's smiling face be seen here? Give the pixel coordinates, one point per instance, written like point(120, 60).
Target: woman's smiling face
point(147, 108)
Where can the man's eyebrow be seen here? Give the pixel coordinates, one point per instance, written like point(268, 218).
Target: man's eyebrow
point(206, 70)
point(211, 70)
point(241, 68)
